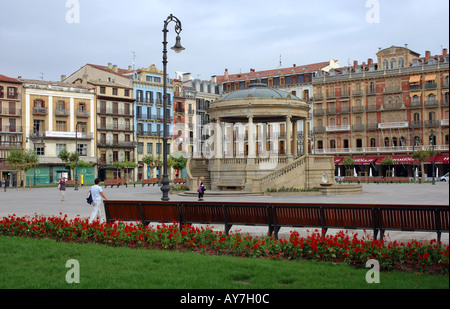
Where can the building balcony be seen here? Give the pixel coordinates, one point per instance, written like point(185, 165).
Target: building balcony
point(11, 129)
point(415, 124)
point(39, 111)
point(116, 144)
point(357, 109)
point(372, 108)
point(357, 92)
point(62, 112)
point(344, 127)
point(415, 105)
point(444, 122)
point(393, 125)
point(112, 127)
point(82, 113)
point(431, 123)
point(319, 112)
point(429, 104)
point(415, 87)
point(10, 111)
point(392, 89)
point(358, 127)
point(393, 106)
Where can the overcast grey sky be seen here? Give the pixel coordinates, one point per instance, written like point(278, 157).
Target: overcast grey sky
point(45, 36)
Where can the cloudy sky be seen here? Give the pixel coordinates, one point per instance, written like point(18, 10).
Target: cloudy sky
point(49, 38)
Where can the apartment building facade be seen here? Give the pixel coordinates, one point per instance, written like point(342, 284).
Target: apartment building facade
point(58, 116)
point(387, 109)
point(114, 117)
point(149, 117)
point(11, 129)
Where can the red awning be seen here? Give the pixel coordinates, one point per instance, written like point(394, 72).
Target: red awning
point(338, 160)
point(438, 159)
point(399, 160)
point(364, 160)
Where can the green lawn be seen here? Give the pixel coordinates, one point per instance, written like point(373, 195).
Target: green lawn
point(36, 264)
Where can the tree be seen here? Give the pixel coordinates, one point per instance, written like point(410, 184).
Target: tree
point(22, 160)
point(348, 163)
point(71, 160)
point(119, 166)
point(422, 156)
point(387, 162)
point(150, 161)
point(177, 161)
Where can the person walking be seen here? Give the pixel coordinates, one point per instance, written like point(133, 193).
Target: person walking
point(62, 188)
point(201, 188)
point(97, 201)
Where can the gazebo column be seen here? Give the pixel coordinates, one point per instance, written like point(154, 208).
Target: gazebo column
point(295, 150)
point(305, 137)
point(288, 137)
point(251, 139)
point(219, 139)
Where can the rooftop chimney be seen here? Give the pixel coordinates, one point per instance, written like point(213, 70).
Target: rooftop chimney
point(114, 68)
point(226, 74)
point(444, 52)
point(63, 77)
point(427, 55)
point(110, 66)
point(355, 63)
point(369, 61)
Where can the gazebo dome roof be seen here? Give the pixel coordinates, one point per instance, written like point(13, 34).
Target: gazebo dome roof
point(258, 91)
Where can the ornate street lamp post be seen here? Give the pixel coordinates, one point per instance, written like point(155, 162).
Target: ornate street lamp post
point(432, 153)
point(177, 48)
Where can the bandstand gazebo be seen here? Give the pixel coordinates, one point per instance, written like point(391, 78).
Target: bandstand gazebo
point(259, 141)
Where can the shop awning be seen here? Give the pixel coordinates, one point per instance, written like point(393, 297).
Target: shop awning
point(364, 160)
point(438, 159)
point(399, 160)
point(414, 79)
point(430, 77)
point(338, 160)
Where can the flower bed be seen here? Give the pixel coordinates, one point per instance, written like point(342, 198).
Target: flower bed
point(340, 247)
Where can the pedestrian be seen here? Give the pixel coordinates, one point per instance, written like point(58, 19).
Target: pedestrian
point(201, 188)
point(62, 188)
point(97, 200)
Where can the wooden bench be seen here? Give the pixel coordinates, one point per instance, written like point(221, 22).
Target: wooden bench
point(112, 182)
point(179, 181)
point(378, 218)
point(396, 179)
point(72, 182)
point(151, 181)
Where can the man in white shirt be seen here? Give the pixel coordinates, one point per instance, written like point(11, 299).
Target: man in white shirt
point(97, 201)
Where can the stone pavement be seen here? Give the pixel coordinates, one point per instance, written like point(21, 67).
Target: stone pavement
point(47, 202)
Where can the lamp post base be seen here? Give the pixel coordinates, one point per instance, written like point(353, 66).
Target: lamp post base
point(165, 188)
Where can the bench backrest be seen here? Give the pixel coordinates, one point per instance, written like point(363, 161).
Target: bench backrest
point(353, 216)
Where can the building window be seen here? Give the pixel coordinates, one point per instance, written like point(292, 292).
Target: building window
point(373, 142)
point(319, 144)
point(59, 148)
point(140, 149)
point(115, 156)
point(332, 144)
point(40, 150)
point(393, 62)
point(102, 90)
point(114, 91)
point(385, 64)
point(401, 62)
point(149, 148)
point(82, 149)
point(61, 126)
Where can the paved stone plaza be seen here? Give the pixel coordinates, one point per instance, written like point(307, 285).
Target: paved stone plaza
point(47, 201)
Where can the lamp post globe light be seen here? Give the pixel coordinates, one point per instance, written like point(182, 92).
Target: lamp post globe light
point(177, 48)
